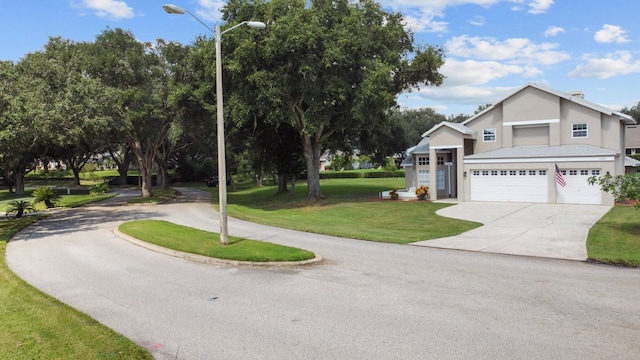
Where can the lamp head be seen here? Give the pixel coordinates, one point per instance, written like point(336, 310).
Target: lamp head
point(256, 24)
point(173, 9)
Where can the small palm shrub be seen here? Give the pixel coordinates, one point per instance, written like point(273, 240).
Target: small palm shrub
point(46, 195)
point(99, 188)
point(19, 207)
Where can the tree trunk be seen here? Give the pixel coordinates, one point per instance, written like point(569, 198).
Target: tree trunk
point(145, 159)
point(312, 160)
point(163, 174)
point(282, 184)
point(19, 177)
point(76, 173)
point(146, 186)
point(122, 159)
point(122, 174)
point(259, 178)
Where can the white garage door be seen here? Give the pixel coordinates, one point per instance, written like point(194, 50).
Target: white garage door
point(577, 190)
point(509, 185)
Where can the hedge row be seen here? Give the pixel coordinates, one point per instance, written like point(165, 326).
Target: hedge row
point(360, 174)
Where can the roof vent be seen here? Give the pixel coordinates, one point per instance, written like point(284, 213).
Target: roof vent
point(577, 94)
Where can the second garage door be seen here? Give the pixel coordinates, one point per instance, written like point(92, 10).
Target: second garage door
point(577, 190)
point(510, 185)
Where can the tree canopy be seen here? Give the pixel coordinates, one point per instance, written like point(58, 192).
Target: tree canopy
point(324, 75)
point(332, 69)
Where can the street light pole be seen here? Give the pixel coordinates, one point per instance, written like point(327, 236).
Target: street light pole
point(222, 168)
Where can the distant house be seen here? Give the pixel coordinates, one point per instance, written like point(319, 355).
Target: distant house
point(632, 140)
point(511, 150)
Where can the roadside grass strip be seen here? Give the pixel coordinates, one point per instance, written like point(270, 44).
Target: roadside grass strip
point(34, 325)
point(205, 243)
point(615, 238)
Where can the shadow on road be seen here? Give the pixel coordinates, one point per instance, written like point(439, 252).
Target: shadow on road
point(115, 209)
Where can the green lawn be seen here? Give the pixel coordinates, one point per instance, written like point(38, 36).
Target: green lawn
point(159, 196)
point(352, 210)
point(187, 239)
point(77, 198)
point(615, 239)
point(34, 325)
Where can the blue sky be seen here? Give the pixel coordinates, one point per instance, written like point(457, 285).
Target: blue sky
point(492, 46)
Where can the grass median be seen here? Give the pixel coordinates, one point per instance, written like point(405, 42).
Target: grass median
point(195, 241)
point(615, 238)
point(34, 325)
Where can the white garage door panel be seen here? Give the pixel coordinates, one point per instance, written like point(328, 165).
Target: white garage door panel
point(578, 191)
point(495, 185)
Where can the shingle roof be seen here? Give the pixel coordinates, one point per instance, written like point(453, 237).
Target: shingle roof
point(543, 151)
point(421, 149)
point(455, 126)
point(629, 161)
point(407, 161)
point(626, 118)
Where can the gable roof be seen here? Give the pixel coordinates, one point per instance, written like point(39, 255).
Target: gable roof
point(459, 127)
point(628, 120)
point(629, 161)
point(421, 148)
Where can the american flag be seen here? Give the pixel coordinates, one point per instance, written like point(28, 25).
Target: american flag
point(559, 177)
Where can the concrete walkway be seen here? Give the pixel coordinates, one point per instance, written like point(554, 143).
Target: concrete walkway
point(542, 230)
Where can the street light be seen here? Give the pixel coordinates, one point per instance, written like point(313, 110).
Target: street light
point(222, 171)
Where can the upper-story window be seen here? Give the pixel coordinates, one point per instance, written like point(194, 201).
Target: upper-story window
point(423, 160)
point(579, 130)
point(489, 134)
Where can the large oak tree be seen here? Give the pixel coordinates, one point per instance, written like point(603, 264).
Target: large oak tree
point(140, 74)
point(330, 68)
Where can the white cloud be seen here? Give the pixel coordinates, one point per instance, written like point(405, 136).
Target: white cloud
point(477, 20)
point(427, 15)
point(553, 31)
point(465, 94)
point(535, 6)
point(514, 50)
point(435, 4)
point(425, 20)
point(115, 9)
point(210, 10)
point(614, 64)
point(472, 72)
point(539, 6)
point(611, 34)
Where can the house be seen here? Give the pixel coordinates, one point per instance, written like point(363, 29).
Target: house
point(511, 150)
point(632, 139)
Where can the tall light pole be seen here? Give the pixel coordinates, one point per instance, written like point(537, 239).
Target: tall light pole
point(222, 168)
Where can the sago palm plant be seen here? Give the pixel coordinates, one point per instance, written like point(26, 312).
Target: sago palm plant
point(46, 195)
point(20, 207)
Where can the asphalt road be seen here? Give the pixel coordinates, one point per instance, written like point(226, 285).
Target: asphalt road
point(367, 301)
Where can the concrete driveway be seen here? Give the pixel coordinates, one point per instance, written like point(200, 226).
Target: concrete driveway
point(542, 230)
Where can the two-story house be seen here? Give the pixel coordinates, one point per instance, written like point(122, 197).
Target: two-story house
point(536, 145)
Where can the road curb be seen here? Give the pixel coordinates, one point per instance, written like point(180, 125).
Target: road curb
point(215, 261)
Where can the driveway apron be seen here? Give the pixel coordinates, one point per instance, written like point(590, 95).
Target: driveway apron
point(542, 230)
